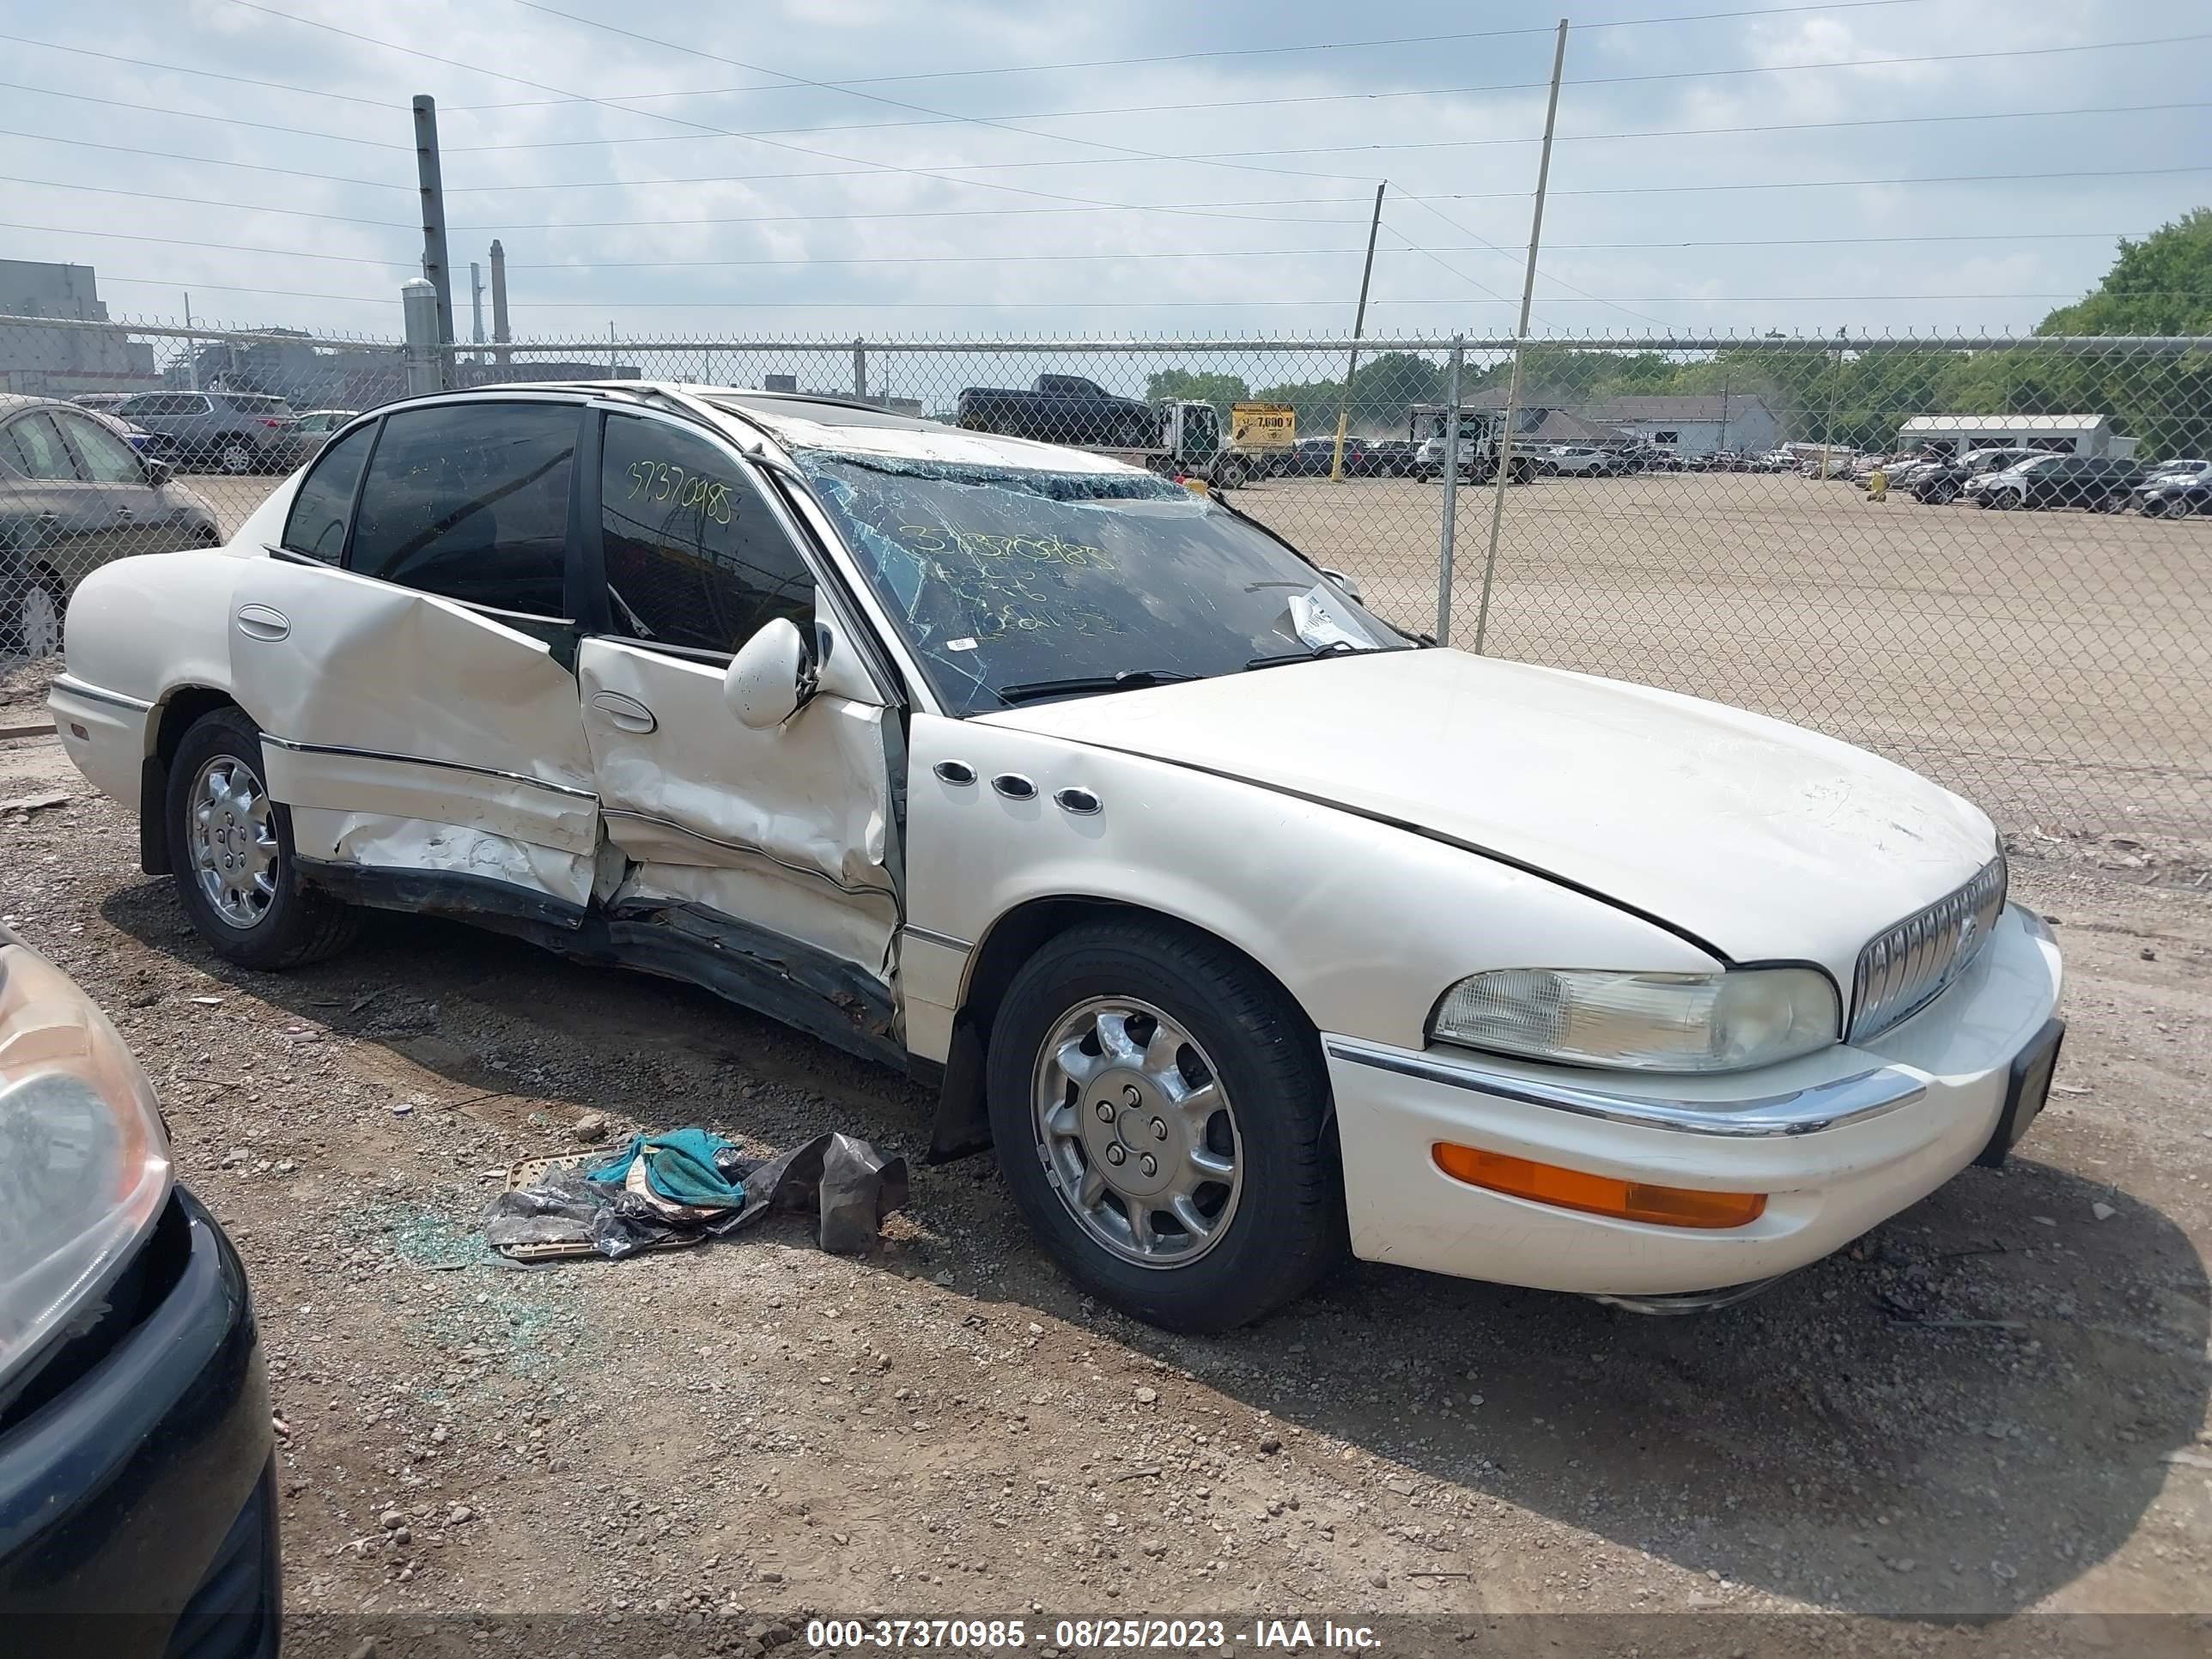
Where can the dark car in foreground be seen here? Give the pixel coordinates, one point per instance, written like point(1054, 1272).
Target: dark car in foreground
point(137, 1492)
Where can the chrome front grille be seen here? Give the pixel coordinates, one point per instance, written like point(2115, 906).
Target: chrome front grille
point(1906, 967)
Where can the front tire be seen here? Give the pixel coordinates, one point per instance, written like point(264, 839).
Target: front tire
point(231, 848)
point(235, 456)
point(1162, 1114)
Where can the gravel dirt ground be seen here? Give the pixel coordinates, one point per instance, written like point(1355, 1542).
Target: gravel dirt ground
point(1996, 1402)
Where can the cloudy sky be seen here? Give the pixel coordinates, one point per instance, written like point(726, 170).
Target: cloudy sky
point(828, 168)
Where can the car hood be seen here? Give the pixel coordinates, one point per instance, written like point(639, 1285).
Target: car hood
point(1763, 840)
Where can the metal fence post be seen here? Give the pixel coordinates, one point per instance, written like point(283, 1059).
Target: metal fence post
point(1449, 539)
point(418, 307)
point(860, 369)
point(434, 211)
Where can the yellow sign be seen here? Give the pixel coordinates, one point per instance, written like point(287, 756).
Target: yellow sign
point(1263, 426)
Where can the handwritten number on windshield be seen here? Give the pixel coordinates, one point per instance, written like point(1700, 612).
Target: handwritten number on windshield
point(661, 480)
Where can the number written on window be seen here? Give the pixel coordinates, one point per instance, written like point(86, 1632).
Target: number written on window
point(694, 556)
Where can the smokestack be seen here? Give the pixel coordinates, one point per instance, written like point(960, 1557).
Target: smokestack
point(499, 330)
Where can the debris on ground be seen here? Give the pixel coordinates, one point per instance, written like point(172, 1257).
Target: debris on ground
point(665, 1191)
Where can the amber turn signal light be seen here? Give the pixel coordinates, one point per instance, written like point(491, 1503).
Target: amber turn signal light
point(1573, 1190)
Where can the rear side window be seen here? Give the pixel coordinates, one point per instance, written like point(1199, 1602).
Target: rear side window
point(275, 408)
point(106, 459)
point(317, 524)
point(33, 447)
point(694, 557)
point(471, 501)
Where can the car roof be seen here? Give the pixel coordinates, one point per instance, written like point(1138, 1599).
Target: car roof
point(808, 420)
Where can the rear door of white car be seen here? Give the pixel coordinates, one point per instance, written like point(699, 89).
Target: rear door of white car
point(409, 652)
point(775, 847)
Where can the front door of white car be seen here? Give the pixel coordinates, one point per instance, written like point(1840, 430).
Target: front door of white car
point(787, 831)
point(408, 656)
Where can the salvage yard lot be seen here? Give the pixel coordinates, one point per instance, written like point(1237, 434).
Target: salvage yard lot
point(1998, 1399)
point(2050, 665)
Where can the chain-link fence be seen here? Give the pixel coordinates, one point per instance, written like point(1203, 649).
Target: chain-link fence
point(1985, 558)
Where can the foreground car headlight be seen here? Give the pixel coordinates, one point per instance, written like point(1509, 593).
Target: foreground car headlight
point(1642, 1022)
point(84, 1162)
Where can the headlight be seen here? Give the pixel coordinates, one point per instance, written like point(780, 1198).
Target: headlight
point(84, 1163)
point(1642, 1022)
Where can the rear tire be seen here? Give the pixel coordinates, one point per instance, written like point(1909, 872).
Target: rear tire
point(1140, 1072)
point(34, 620)
point(235, 456)
point(230, 847)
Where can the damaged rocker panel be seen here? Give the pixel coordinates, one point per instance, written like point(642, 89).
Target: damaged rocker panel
point(788, 980)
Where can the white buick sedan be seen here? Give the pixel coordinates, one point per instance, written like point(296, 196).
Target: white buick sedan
point(1247, 927)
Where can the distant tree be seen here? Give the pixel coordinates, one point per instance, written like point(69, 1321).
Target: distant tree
point(2160, 285)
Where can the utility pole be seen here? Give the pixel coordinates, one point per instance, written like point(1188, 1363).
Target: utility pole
point(1835, 391)
point(1448, 540)
point(499, 330)
point(1358, 326)
point(192, 347)
point(435, 268)
point(1521, 340)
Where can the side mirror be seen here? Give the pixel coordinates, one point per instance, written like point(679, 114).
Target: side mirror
point(1344, 582)
point(158, 472)
point(771, 676)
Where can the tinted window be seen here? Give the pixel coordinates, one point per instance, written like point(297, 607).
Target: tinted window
point(265, 407)
point(34, 449)
point(316, 523)
point(694, 556)
point(471, 501)
point(107, 458)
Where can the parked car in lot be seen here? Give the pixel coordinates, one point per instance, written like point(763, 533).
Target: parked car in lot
point(1393, 457)
point(1315, 458)
point(234, 432)
point(1581, 460)
point(2096, 482)
point(137, 1493)
point(307, 433)
point(73, 495)
point(1943, 481)
point(2175, 491)
point(1185, 879)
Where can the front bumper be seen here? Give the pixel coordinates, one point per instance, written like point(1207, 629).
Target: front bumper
point(1839, 1141)
point(137, 1513)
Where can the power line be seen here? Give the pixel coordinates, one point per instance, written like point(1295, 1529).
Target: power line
point(194, 115)
point(944, 213)
point(540, 86)
point(1121, 305)
point(1841, 184)
point(1369, 43)
point(205, 201)
point(1696, 132)
point(209, 74)
point(225, 247)
point(214, 161)
point(764, 134)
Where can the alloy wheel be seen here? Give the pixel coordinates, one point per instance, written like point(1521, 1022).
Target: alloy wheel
point(235, 854)
point(1136, 1133)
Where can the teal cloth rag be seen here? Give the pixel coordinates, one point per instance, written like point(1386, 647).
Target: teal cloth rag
point(679, 1166)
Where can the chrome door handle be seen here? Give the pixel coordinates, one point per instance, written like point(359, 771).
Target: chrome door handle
point(624, 713)
point(124, 514)
point(258, 622)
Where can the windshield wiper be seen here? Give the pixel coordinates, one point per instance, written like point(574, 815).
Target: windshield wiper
point(1129, 679)
point(1334, 648)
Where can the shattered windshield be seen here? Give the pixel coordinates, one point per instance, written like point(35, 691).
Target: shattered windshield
point(1013, 585)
